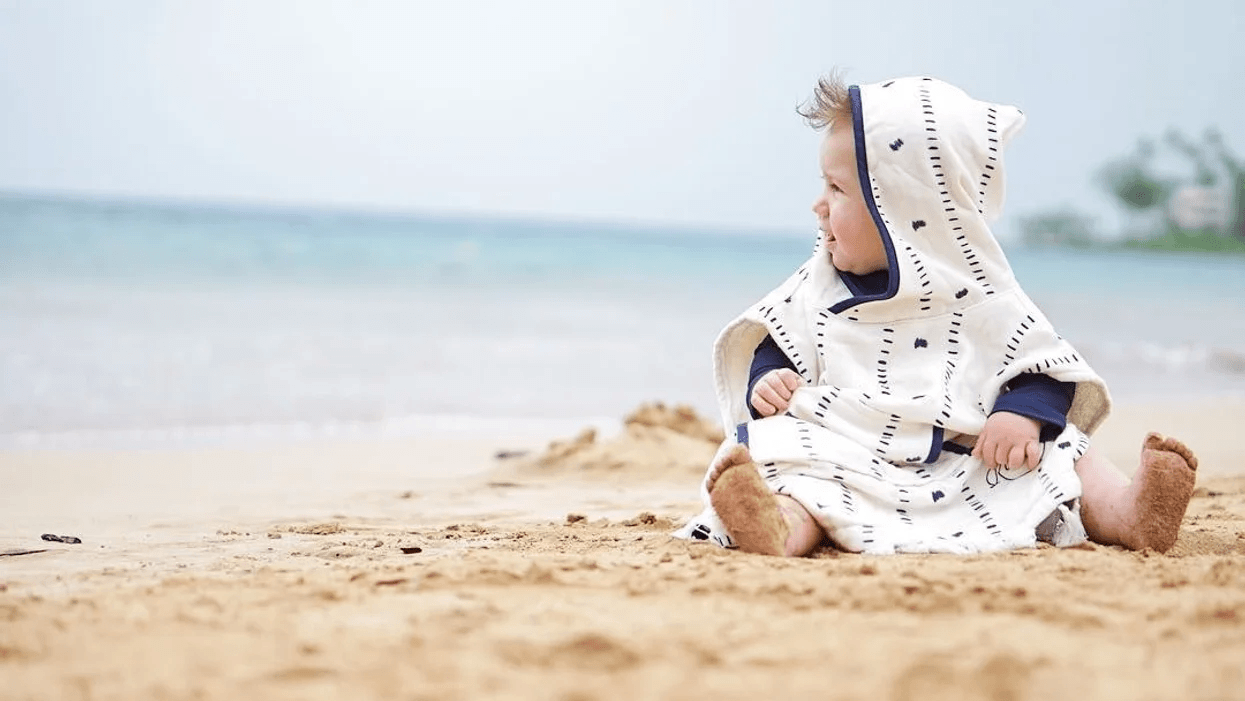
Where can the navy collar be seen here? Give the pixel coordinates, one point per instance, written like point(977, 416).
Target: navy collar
point(869, 284)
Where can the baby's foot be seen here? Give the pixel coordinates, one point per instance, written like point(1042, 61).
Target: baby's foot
point(737, 454)
point(748, 509)
point(1161, 490)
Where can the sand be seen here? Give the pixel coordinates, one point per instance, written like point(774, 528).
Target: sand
point(429, 568)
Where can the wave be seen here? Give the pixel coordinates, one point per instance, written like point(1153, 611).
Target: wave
point(1183, 357)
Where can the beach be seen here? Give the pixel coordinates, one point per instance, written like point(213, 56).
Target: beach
point(454, 566)
point(381, 351)
point(315, 454)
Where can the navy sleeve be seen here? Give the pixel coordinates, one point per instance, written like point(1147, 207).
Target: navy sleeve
point(768, 356)
point(1041, 398)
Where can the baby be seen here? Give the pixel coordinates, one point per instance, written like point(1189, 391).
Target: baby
point(900, 392)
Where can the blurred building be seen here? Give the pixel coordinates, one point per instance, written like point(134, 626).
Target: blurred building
point(1197, 208)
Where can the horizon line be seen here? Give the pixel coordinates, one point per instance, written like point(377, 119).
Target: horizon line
point(277, 207)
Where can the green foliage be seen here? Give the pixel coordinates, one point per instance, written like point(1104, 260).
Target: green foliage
point(1229, 161)
point(1061, 228)
point(1205, 172)
point(1205, 240)
point(1130, 181)
point(1143, 196)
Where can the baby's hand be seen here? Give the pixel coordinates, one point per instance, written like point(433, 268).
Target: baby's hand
point(1009, 440)
point(772, 392)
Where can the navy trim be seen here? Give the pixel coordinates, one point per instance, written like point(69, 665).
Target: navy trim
point(1041, 398)
point(768, 356)
point(862, 171)
point(935, 445)
point(741, 434)
point(871, 283)
point(953, 447)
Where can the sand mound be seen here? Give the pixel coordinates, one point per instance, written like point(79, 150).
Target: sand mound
point(679, 418)
point(656, 442)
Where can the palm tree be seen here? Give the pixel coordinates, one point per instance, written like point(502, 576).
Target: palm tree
point(1236, 178)
point(1137, 190)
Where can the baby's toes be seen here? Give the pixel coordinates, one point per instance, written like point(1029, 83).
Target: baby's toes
point(1158, 442)
point(735, 455)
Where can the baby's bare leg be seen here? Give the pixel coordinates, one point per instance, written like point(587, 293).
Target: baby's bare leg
point(1147, 512)
point(760, 521)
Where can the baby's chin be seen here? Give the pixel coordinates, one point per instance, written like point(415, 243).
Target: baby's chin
point(839, 265)
point(854, 269)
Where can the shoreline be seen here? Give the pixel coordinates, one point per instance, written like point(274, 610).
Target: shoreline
point(292, 433)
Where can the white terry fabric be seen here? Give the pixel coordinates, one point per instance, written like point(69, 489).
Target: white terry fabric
point(889, 376)
point(953, 505)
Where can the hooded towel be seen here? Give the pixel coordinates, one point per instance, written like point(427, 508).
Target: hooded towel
point(890, 376)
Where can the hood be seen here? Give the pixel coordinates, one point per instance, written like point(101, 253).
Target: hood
point(930, 162)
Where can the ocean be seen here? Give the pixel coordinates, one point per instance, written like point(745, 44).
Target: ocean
point(133, 324)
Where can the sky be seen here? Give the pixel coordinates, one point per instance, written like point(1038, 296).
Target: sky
point(662, 111)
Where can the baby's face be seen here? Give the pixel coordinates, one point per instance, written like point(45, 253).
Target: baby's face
point(850, 234)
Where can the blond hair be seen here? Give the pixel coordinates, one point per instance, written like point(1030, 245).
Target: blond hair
point(829, 104)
